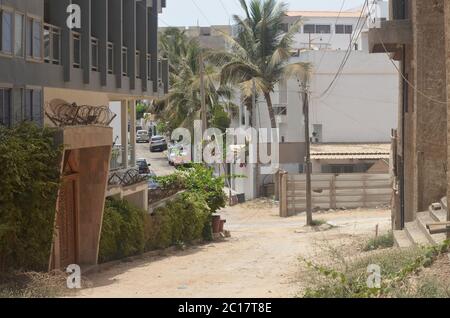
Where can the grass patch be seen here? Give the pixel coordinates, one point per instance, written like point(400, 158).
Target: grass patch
point(380, 242)
point(346, 278)
point(318, 222)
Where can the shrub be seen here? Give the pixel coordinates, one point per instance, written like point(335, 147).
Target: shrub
point(200, 179)
point(122, 232)
point(180, 221)
point(350, 279)
point(29, 182)
point(383, 241)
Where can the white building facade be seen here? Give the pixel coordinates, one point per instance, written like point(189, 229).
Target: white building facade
point(361, 106)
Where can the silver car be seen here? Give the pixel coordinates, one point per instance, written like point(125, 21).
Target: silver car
point(158, 143)
point(142, 136)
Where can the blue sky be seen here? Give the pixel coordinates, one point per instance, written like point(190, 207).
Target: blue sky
point(185, 13)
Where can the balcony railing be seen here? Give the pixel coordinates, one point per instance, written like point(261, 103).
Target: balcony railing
point(52, 44)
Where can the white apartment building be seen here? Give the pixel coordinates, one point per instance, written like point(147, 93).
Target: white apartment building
point(359, 109)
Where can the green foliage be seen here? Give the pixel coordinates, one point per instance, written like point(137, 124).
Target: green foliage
point(350, 281)
point(29, 182)
point(180, 221)
point(383, 241)
point(182, 105)
point(201, 180)
point(220, 118)
point(316, 223)
point(123, 231)
point(260, 53)
point(141, 109)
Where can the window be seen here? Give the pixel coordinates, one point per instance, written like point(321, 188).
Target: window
point(149, 66)
point(323, 29)
point(5, 106)
point(52, 44)
point(17, 105)
point(285, 27)
point(338, 169)
point(94, 53)
point(33, 106)
point(344, 29)
point(309, 28)
point(6, 32)
point(18, 34)
point(124, 61)
point(76, 50)
point(34, 38)
point(317, 28)
point(317, 133)
point(110, 58)
point(138, 64)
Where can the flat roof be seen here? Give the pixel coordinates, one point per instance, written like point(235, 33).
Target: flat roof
point(324, 14)
point(350, 151)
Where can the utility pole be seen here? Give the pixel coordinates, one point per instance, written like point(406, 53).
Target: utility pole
point(309, 219)
point(254, 110)
point(204, 115)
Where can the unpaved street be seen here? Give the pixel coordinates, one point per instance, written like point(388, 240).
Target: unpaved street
point(261, 259)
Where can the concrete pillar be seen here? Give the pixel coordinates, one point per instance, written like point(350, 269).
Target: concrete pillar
point(132, 114)
point(124, 132)
point(430, 114)
point(447, 55)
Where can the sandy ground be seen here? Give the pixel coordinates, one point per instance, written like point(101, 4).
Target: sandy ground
point(261, 259)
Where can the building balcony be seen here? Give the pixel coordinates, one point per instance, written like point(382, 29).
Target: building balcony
point(391, 35)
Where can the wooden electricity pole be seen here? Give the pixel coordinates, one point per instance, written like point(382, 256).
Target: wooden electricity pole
point(309, 219)
point(254, 111)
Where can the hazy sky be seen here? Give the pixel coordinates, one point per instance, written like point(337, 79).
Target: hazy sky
point(185, 13)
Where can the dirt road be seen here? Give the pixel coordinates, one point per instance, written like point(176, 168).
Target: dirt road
point(261, 259)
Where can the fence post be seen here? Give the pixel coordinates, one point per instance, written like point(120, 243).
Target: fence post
point(283, 178)
point(333, 204)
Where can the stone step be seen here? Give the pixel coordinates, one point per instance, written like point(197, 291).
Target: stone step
point(443, 203)
point(415, 234)
point(438, 215)
point(401, 239)
point(425, 218)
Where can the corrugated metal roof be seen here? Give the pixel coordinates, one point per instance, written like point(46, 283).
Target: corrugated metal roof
point(350, 151)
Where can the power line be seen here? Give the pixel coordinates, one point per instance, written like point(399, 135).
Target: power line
point(350, 47)
point(331, 37)
point(404, 77)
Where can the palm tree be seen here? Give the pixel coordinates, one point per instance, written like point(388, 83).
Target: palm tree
point(182, 105)
point(260, 53)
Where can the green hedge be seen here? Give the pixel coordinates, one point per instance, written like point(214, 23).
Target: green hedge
point(180, 221)
point(29, 182)
point(129, 231)
point(122, 231)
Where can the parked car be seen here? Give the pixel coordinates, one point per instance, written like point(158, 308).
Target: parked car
point(177, 156)
point(142, 136)
point(143, 166)
point(158, 143)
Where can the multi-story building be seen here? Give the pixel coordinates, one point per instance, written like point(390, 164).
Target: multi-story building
point(359, 110)
point(211, 37)
point(66, 63)
point(417, 35)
